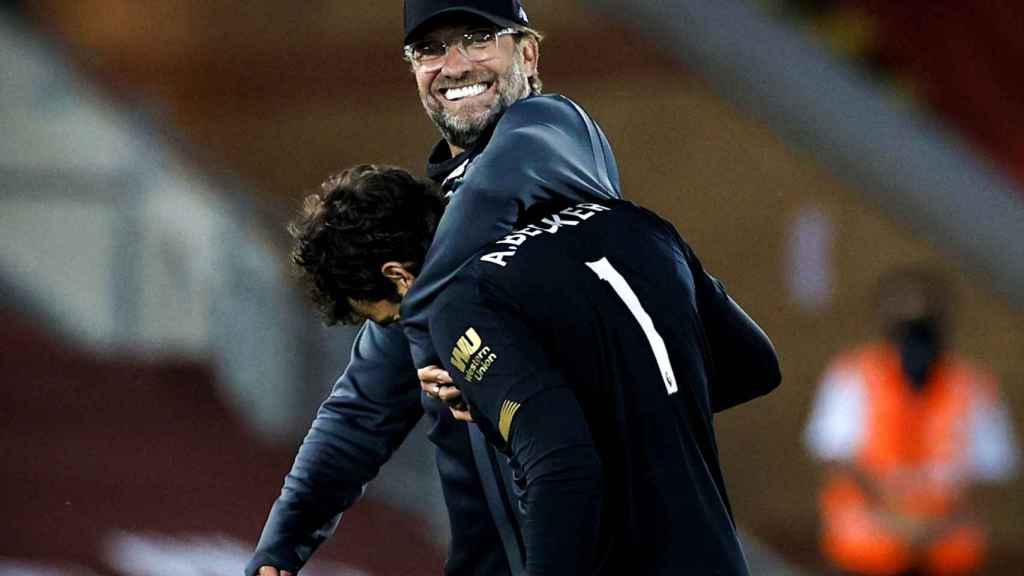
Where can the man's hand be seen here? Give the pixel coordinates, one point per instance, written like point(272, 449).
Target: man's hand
point(436, 383)
point(271, 571)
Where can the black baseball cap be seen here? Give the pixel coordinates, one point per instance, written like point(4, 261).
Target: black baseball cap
point(501, 12)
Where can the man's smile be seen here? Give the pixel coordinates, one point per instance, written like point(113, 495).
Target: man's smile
point(453, 94)
point(466, 92)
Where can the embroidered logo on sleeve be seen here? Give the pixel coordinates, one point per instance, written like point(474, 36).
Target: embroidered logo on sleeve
point(508, 412)
point(471, 357)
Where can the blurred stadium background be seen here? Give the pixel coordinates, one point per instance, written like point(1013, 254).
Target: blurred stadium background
point(159, 366)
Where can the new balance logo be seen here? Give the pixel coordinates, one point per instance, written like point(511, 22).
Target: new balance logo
point(508, 412)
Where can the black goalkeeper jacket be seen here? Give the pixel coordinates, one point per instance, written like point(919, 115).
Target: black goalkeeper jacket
point(590, 344)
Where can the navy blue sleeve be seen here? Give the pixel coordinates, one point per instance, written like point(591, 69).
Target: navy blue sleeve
point(564, 484)
point(370, 411)
point(523, 406)
point(744, 359)
point(544, 148)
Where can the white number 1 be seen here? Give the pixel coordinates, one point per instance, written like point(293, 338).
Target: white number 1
point(605, 271)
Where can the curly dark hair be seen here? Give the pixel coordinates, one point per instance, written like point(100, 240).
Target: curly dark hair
point(360, 219)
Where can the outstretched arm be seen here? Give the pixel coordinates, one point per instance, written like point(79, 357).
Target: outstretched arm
point(370, 411)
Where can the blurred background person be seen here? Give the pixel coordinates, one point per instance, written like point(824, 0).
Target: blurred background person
point(906, 428)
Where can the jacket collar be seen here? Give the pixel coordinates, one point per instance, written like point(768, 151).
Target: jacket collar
point(441, 163)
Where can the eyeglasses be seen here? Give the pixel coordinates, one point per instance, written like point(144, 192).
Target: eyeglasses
point(475, 45)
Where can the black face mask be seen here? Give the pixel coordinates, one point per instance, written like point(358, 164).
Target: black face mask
point(920, 344)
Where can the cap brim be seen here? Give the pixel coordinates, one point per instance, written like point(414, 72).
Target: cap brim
point(448, 11)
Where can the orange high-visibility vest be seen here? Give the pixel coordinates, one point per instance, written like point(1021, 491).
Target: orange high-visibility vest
point(916, 447)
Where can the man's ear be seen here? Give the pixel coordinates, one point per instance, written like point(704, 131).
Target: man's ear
point(399, 274)
point(531, 56)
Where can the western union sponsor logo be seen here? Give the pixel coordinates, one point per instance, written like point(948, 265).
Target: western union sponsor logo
point(464, 348)
point(508, 412)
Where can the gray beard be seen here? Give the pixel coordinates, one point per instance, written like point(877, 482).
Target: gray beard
point(464, 132)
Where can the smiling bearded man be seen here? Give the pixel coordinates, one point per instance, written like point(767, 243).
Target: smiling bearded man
point(464, 103)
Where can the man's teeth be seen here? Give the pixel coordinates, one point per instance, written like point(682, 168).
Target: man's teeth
point(465, 91)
